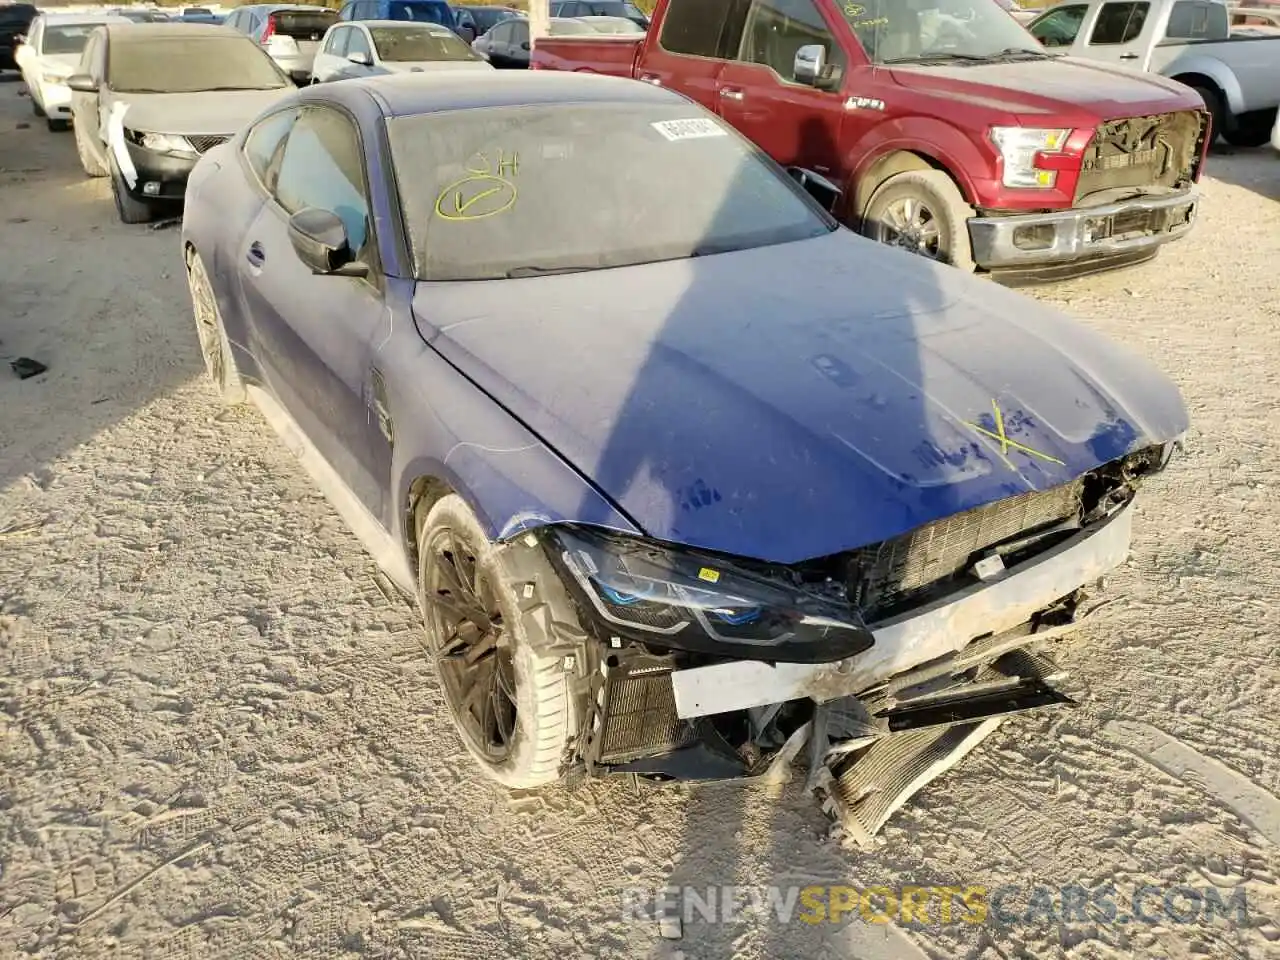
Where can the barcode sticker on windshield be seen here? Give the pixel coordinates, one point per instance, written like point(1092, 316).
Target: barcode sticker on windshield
point(691, 129)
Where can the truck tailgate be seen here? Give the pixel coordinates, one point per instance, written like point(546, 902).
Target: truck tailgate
point(611, 55)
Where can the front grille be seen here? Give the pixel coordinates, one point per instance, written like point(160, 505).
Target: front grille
point(889, 573)
point(1162, 150)
point(206, 142)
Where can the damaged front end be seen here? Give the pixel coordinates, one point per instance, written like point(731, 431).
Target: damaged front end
point(884, 665)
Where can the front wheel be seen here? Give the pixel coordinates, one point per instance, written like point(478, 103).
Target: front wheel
point(214, 345)
point(35, 105)
point(88, 159)
point(923, 212)
point(509, 701)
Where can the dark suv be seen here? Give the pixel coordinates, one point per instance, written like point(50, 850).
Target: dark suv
point(15, 21)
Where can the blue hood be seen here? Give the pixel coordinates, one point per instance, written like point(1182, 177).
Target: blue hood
point(799, 400)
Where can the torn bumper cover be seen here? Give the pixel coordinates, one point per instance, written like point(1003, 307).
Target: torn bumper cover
point(904, 701)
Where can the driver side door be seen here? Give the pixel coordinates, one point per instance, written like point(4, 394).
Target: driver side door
point(314, 333)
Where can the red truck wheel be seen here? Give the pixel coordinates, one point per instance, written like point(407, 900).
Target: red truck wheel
point(922, 211)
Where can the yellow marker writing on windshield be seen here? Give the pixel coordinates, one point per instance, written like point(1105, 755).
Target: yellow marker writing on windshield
point(475, 197)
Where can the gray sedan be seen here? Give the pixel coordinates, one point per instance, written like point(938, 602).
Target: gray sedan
point(368, 48)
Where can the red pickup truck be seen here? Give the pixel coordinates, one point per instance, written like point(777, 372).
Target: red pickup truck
point(941, 126)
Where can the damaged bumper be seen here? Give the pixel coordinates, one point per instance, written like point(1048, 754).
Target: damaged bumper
point(876, 725)
point(1119, 231)
point(945, 627)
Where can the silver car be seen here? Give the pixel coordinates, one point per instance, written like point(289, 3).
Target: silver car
point(290, 33)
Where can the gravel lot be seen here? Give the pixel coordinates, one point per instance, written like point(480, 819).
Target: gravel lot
point(219, 737)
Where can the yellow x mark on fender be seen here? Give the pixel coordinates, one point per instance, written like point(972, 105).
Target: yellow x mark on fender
point(1005, 443)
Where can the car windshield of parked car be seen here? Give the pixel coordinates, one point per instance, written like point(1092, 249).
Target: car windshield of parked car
point(190, 64)
point(487, 17)
point(302, 24)
point(907, 31)
point(615, 9)
point(68, 39)
point(560, 188)
point(415, 44)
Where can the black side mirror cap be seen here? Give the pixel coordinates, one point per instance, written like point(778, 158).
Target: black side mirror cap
point(320, 240)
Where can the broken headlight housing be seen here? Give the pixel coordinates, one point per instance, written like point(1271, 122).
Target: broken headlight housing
point(668, 597)
point(161, 142)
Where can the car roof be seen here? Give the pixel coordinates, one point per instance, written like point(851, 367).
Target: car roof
point(437, 28)
point(169, 30)
point(404, 94)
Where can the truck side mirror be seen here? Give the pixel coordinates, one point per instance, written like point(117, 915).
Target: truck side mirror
point(811, 59)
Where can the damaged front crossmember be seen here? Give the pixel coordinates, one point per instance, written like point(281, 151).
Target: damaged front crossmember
point(867, 754)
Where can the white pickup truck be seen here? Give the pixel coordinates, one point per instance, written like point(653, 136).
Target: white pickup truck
point(1236, 72)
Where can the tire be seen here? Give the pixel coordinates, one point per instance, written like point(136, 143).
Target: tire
point(1251, 130)
point(57, 126)
point(1217, 110)
point(88, 161)
point(215, 348)
point(922, 211)
point(532, 751)
point(129, 209)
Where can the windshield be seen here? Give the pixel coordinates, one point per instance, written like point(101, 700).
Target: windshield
point(905, 31)
point(401, 44)
point(555, 188)
point(608, 9)
point(485, 18)
point(68, 39)
point(423, 12)
point(190, 64)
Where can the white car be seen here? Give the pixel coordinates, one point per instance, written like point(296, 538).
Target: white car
point(1275, 133)
point(49, 55)
point(363, 48)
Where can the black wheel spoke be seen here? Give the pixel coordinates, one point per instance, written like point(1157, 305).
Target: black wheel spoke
point(465, 631)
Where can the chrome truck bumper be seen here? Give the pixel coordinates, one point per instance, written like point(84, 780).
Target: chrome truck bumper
point(1116, 230)
point(942, 628)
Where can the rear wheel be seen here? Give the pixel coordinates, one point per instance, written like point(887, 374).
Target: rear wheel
point(130, 209)
point(509, 701)
point(923, 212)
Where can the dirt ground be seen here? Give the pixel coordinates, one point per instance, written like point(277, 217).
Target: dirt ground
point(219, 737)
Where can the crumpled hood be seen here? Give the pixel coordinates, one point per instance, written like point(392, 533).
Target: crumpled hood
point(434, 66)
point(212, 112)
point(1055, 86)
point(799, 400)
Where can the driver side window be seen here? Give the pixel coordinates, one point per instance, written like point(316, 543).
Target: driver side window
point(776, 29)
point(322, 167)
point(1059, 28)
point(357, 42)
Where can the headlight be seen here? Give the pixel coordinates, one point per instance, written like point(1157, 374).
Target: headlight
point(160, 142)
point(1018, 147)
point(54, 77)
point(683, 600)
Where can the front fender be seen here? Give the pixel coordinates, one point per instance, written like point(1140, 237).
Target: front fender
point(449, 431)
point(940, 142)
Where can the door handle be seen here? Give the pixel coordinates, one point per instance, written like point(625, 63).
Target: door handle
point(1128, 56)
point(729, 93)
point(256, 255)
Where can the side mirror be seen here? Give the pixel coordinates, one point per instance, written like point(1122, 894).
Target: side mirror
point(82, 83)
point(811, 60)
point(817, 186)
point(320, 241)
point(360, 58)
point(19, 38)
